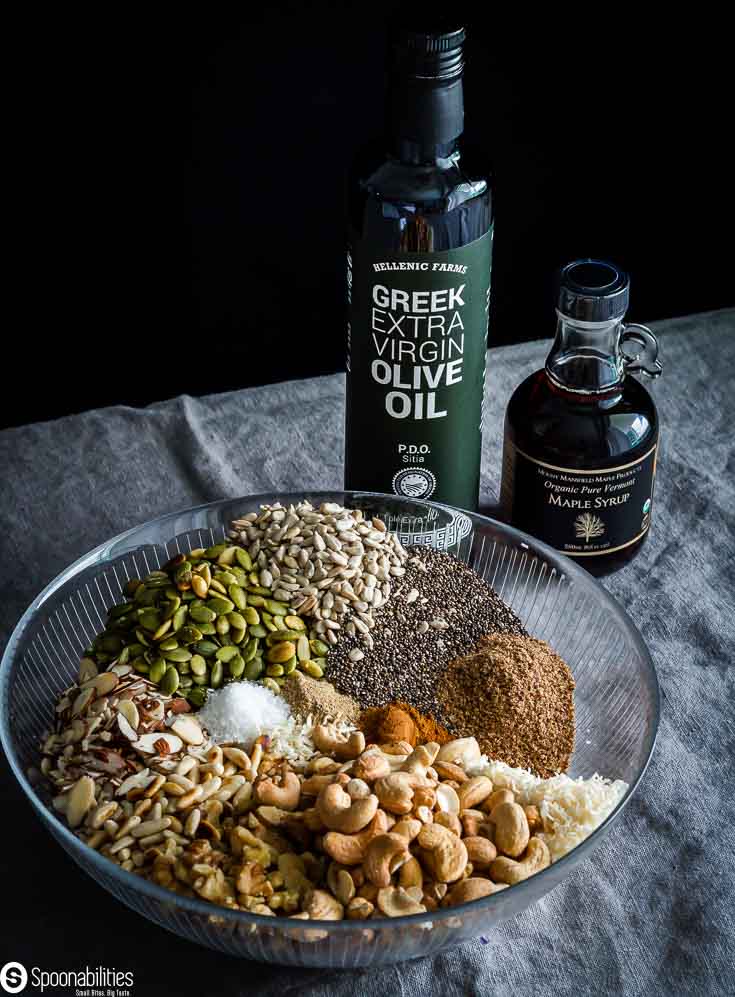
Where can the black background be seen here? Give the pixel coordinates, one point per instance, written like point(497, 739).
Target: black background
point(178, 205)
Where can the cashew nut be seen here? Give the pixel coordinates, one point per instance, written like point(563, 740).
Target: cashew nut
point(340, 882)
point(286, 796)
point(480, 852)
point(394, 901)
point(328, 740)
point(349, 849)
point(340, 812)
point(315, 784)
point(357, 789)
point(411, 874)
point(474, 791)
point(448, 855)
point(371, 767)
point(506, 870)
point(535, 821)
point(359, 909)
point(322, 906)
point(471, 820)
point(471, 889)
point(462, 751)
point(408, 828)
point(395, 791)
point(383, 856)
point(511, 829)
point(495, 799)
point(447, 799)
point(421, 758)
point(448, 770)
point(450, 821)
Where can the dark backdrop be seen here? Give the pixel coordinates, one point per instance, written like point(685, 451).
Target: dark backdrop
point(180, 184)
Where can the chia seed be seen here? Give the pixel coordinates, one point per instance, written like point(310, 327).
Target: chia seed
point(407, 656)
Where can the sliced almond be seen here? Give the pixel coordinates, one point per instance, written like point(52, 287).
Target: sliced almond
point(82, 701)
point(87, 670)
point(188, 729)
point(81, 799)
point(149, 746)
point(128, 709)
point(135, 781)
point(125, 729)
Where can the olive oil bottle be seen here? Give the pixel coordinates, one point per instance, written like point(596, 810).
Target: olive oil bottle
point(421, 230)
point(581, 436)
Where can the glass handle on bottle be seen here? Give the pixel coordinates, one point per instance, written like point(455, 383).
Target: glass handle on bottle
point(639, 349)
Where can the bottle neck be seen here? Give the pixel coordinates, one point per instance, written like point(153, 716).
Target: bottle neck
point(425, 119)
point(585, 357)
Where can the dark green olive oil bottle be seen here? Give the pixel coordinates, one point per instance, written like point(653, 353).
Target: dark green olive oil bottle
point(421, 231)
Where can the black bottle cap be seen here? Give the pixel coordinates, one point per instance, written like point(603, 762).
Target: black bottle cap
point(593, 291)
point(430, 51)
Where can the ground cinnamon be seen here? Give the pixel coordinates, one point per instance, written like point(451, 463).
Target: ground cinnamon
point(400, 722)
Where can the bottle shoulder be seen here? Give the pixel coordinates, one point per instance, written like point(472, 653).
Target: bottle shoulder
point(453, 197)
point(549, 424)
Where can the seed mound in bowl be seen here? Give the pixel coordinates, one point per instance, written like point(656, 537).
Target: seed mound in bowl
point(269, 799)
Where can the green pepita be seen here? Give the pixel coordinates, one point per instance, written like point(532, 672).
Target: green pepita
point(227, 653)
point(198, 665)
point(170, 681)
point(178, 654)
point(202, 614)
point(220, 606)
point(217, 674)
point(319, 648)
point(243, 559)
point(238, 596)
point(253, 669)
point(312, 668)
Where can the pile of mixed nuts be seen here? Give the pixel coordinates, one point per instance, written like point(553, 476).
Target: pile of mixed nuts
point(362, 830)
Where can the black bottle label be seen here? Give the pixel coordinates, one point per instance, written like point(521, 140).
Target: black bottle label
point(417, 341)
point(581, 513)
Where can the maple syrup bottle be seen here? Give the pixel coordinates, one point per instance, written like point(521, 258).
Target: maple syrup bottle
point(581, 436)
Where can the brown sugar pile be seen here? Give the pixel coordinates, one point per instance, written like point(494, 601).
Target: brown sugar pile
point(516, 696)
point(401, 722)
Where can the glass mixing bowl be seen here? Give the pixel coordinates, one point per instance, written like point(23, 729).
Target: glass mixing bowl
point(616, 695)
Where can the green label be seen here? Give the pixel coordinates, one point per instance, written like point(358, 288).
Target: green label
point(417, 342)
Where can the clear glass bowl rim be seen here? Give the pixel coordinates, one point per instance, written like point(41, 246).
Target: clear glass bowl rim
point(202, 907)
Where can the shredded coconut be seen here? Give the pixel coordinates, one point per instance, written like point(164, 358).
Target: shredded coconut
point(242, 711)
point(571, 809)
point(293, 741)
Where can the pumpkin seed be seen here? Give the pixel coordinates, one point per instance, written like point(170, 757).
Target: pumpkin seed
point(289, 666)
point(243, 559)
point(237, 635)
point(271, 684)
point(253, 669)
point(220, 606)
point(157, 670)
point(216, 586)
point(206, 648)
point(319, 648)
point(281, 651)
point(237, 666)
point(199, 586)
point(312, 668)
point(295, 623)
point(238, 596)
point(197, 696)
point(216, 675)
point(178, 654)
point(303, 652)
point(276, 608)
point(202, 614)
point(198, 665)
point(227, 654)
point(274, 670)
point(169, 644)
point(257, 631)
point(170, 681)
point(222, 625)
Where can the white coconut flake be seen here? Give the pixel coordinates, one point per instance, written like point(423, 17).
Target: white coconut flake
point(242, 711)
point(571, 809)
point(293, 740)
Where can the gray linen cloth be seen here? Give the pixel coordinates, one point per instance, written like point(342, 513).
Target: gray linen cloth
point(651, 912)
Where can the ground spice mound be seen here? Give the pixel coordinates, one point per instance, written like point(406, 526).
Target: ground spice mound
point(312, 697)
point(516, 696)
point(400, 722)
point(438, 609)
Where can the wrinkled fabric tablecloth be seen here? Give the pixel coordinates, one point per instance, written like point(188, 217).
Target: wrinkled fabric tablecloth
point(651, 912)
